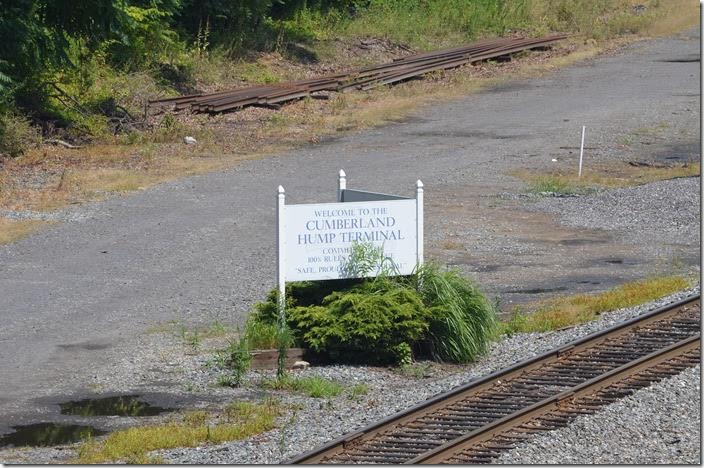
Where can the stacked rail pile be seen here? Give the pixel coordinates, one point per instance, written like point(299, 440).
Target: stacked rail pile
point(364, 79)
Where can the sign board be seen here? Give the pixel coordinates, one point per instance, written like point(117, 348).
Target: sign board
point(319, 237)
point(314, 240)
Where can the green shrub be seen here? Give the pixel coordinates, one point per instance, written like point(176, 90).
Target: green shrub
point(384, 320)
point(370, 322)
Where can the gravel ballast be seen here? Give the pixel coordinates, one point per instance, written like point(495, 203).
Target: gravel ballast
point(656, 425)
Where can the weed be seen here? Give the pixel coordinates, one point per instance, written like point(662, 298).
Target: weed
point(261, 335)
point(193, 340)
point(162, 327)
point(195, 418)
point(319, 387)
point(216, 361)
point(243, 411)
point(367, 259)
point(227, 380)
point(284, 431)
point(238, 360)
point(314, 386)
point(357, 391)
point(216, 329)
point(605, 176)
point(553, 184)
point(258, 73)
point(417, 370)
point(573, 310)
point(338, 104)
point(279, 120)
point(626, 140)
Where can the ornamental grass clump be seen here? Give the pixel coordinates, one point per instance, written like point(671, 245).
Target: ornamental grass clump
point(462, 319)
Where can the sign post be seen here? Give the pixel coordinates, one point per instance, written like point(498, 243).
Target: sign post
point(281, 279)
point(581, 152)
point(341, 185)
point(419, 222)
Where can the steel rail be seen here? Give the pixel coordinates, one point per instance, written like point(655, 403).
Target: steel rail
point(571, 408)
point(443, 453)
point(435, 418)
point(365, 78)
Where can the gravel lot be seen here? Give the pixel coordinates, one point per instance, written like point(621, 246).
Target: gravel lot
point(671, 210)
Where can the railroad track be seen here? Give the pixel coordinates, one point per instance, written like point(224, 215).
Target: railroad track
point(475, 422)
point(363, 79)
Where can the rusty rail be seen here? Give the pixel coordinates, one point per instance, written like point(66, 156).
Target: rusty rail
point(475, 422)
point(364, 79)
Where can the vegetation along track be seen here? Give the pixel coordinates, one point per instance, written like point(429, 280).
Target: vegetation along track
point(473, 423)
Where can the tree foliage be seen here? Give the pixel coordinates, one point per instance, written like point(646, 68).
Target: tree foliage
point(37, 36)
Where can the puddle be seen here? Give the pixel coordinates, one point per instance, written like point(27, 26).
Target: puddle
point(48, 434)
point(466, 134)
point(588, 282)
point(577, 242)
point(615, 261)
point(121, 405)
point(539, 290)
point(87, 346)
point(679, 152)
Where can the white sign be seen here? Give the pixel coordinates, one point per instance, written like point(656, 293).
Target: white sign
point(319, 237)
point(314, 241)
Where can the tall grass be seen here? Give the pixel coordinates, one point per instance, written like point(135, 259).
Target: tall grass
point(242, 419)
point(433, 24)
point(462, 318)
point(572, 310)
point(261, 335)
